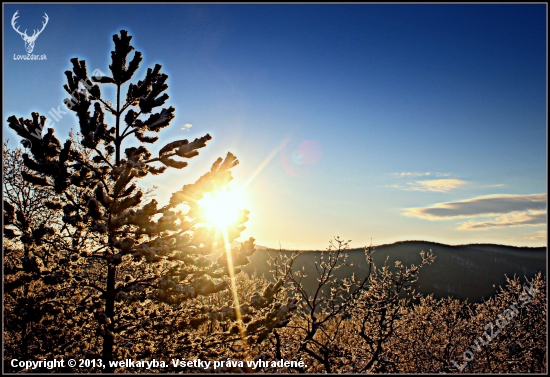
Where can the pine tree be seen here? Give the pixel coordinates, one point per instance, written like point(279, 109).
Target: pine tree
point(134, 263)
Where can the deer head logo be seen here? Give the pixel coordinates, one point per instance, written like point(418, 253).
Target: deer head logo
point(29, 41)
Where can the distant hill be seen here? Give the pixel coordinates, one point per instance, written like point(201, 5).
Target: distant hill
point(462, 271)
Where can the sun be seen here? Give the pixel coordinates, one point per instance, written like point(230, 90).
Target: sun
point(221, 208)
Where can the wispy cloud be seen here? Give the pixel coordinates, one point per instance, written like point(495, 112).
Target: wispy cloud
point(541, 235)
point(506, 210)
point(417, 174)
point(513, 219)
point(437, 185)
point(186, 126)
point(488, 205)
point(411, 174)
point(428, 182)
point(434, 185)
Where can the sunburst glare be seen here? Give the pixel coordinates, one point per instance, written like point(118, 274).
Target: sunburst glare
point(222, 208)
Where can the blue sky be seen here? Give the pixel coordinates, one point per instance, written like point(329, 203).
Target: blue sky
point(383, 122)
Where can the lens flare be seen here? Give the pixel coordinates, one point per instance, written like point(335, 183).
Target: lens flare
point(298, 158)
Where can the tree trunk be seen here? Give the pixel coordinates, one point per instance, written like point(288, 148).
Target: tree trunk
point(108, 335)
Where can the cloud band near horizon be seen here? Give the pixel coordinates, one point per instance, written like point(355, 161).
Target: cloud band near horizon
point(507, 210)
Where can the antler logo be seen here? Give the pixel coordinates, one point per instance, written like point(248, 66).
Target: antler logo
point(29, 41)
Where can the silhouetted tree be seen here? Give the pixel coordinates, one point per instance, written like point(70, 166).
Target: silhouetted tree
point(36, 290)
point(134, 264)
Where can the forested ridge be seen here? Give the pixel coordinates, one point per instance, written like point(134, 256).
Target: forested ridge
point(462, 271)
